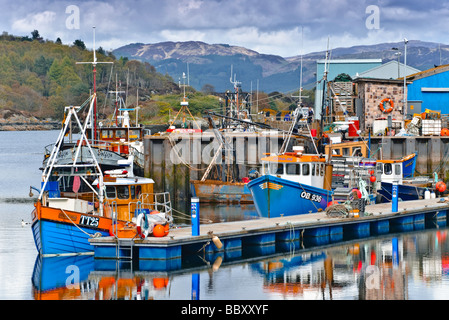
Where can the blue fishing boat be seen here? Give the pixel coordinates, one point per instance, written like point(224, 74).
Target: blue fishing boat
point(392, 171)
point(291, 184)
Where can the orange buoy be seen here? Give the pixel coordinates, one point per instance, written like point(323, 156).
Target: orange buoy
point(331, 203)
point(159, 231)
point(372, 178)
point(160, 283)
point(444, 132)
point(440, 186)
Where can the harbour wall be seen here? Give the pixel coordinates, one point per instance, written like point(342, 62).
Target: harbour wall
point(173, 160)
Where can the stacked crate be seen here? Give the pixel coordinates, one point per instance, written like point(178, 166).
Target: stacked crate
point(431, 127)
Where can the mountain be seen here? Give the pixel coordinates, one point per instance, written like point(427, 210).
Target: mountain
point(211, 63)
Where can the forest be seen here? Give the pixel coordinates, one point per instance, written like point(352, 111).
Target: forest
point(42, 77)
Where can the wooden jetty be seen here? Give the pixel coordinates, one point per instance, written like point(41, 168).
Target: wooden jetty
point(263, 235)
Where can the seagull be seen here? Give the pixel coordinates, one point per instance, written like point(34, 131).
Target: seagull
point(24, 223)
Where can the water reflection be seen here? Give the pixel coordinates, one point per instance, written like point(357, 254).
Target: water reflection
point(395, 266)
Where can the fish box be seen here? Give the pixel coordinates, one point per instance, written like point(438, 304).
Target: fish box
point(75, 205)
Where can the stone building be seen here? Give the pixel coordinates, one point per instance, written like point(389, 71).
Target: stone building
point(371, 92)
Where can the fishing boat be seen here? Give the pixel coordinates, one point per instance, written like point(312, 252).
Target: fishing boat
point(77, 201)
point(391, 172)
point(114, 146)
point(292, 183)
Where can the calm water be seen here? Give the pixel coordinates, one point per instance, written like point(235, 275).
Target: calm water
point(412, 265)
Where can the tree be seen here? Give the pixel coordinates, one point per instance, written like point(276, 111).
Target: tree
point(80, 44)
point(41, 65)
point(58, 41)
point(35, 35)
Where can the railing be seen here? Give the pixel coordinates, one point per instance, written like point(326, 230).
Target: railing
point(139, 157)
point(115, 146)
point(153, 201)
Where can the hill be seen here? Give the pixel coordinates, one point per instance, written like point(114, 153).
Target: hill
point(211, 63)
point(39, 78)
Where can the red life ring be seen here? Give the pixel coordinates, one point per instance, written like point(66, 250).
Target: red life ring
point(144, 227)
point(382, 105)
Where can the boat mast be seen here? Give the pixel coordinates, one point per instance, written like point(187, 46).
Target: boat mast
point(94, 65)
point(323, 107)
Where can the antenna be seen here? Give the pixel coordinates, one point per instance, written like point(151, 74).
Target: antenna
point(94, 64)
point(300, 71)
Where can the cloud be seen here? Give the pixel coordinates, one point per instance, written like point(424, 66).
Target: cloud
point(42, 21)
point(267, 26)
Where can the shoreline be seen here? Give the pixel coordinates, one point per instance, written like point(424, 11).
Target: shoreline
point(34, 126)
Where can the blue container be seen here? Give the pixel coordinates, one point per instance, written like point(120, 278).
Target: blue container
point(53, 189)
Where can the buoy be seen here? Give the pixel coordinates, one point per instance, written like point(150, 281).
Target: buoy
point(159, 231)
point(160, 283)
point(440, 186)
point(444, 132)
point(331, 203)
point(217, 242)
point(372, 179)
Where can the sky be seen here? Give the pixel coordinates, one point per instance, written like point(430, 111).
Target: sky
point(279, 27)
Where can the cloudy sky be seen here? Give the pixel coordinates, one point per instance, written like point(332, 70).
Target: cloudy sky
point(267, 26)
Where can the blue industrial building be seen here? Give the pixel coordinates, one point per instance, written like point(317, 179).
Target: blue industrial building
point(429, 89)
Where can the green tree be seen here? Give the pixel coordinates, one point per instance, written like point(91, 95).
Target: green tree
point(80, 44)
point(35, 35)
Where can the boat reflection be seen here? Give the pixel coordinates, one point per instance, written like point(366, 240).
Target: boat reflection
point(379, 268)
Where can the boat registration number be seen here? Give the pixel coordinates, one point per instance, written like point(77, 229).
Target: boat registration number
point(310, 196)
point(89, 221)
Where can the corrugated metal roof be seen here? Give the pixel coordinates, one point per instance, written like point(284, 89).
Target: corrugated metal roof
point(351, 61)
point(389, 70)
point(428, 72)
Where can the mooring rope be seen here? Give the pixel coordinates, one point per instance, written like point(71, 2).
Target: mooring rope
point(95, 235)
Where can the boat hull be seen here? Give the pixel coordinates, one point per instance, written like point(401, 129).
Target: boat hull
point(274, 197)
point(211, 191)
point(59, 232)
point(405, 192)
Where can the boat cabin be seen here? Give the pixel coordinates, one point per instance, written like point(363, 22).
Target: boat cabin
point(294, 166)
point(116, 138)
point(390, 170)
point(125, 195)
point(348, 149)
